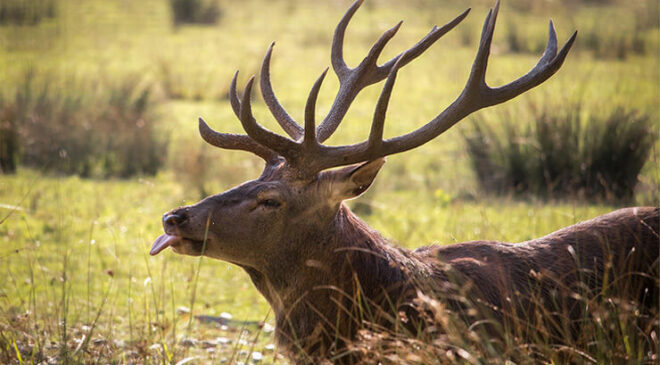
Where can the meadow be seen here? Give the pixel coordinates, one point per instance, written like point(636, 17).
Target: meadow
point(79, 283)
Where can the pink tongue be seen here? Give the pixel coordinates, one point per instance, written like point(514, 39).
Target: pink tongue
point(163, 242)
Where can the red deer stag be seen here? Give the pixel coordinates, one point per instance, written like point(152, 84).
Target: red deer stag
point(319, 265)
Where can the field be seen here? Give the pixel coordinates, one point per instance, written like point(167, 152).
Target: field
point(79, 283)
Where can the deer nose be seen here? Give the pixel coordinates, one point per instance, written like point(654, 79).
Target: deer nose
point(171, 220)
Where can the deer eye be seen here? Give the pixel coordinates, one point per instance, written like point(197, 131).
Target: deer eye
point(270, 203)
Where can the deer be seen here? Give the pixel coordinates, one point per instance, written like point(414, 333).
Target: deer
point(320, 267)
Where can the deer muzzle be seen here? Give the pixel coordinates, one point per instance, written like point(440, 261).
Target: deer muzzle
point(170, 224)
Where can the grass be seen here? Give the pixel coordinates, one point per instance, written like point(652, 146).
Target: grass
point(60, 284)
point(195, 11)
point(79, 282)
point(26, 12)
point(562, 154)
point(93, 129)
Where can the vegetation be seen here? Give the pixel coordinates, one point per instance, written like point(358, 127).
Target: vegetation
point(195, 11)
point(560, 155)
point(26, 12)
point(79, 285)
point(625, 333)
point(92, 130)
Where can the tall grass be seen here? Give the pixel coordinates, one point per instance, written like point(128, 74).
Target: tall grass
point(554, 323)
point(26, 12)
point(195, 11)
point(89, 129)
point(562, 153)
point(88, 291)
point(611, 331)
point(8, 139)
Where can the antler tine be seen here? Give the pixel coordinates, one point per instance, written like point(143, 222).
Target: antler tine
point(275, 142)
point(415, 51)
point(378, 125)
point(337, 50)
point(353, 80)
point(547, 66)
point(377, 48)
point(233, 96)
point(283, 118)
point(234, 142)
point(310, 141)
point(477, 78)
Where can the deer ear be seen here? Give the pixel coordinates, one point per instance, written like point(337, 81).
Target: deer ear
point(352, 181)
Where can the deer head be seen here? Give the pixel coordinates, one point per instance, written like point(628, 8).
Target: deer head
point(299, 194)
point(259, 219)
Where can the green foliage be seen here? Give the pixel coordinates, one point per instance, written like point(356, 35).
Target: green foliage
point(8, 139)
point(26, 12)
point(607, 29)
point(92, 130)
point(615, 46)
point(622, 30)
point(195, 11)
point(561, 154)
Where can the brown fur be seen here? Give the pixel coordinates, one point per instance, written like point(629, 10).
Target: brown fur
point(625, 241)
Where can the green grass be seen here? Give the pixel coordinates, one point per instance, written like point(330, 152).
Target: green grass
point(75, 251)
point(75, 242)
point(103, 128)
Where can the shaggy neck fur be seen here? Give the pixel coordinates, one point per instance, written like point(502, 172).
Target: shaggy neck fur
point(347, 275)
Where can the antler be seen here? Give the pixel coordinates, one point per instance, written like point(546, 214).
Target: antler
point(309, 156)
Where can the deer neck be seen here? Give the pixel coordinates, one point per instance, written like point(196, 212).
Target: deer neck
point(338, 261)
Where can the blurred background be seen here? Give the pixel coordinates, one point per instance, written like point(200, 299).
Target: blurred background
point(99, 101)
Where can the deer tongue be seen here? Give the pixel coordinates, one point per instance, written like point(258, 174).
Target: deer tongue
point(163, 242)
